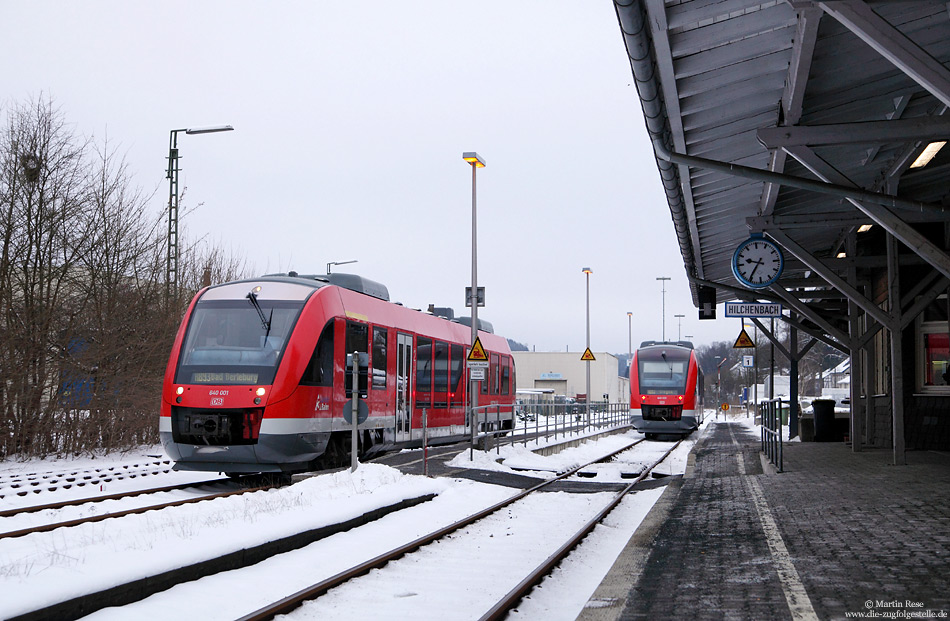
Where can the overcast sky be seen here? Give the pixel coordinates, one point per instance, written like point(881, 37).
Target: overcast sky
point(350, 121)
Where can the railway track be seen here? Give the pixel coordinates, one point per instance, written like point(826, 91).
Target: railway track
point(124, 594)
point(45, 527)
point(505, 604)
point(18, 484)
point(118, 496)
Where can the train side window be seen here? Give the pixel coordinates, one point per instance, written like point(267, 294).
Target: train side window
point(357, 339)
point(423, 372)
point(458, 367)
point(505, 378)
point(441, 365)
point(495, 374)
point(320, 368)
point(380, 349)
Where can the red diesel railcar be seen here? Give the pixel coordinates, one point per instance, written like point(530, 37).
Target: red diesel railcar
point(666, 389)
point(258, 376)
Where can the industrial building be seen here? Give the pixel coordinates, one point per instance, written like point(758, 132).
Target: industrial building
point(566, 374)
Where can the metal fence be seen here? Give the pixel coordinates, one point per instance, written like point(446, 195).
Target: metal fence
point(531, 421)
point(771, 412)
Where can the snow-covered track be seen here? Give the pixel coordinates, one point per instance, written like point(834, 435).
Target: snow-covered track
point(105, 516)
point(293, 601)
point(39, 483)
point(507, 603)
point(81, 501)
point(128, 593)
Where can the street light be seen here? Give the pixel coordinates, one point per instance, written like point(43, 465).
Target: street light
point(171, 270)
point(629, 337)
point(339, 263)
point(663, 279)
point(477, 162)
point(587, 272)
point(679, 326)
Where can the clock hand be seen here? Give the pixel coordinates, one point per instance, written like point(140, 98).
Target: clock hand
point(757, 264)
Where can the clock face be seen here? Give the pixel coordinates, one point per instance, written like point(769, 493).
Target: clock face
point(757, 262)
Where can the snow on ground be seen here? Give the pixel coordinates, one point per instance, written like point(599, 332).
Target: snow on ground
point(44, 568)
point(142, 469)
point(518, 458)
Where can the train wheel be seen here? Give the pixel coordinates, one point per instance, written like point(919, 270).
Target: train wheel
point(337, 453)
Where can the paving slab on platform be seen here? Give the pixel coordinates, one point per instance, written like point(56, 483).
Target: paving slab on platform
point(836, 533)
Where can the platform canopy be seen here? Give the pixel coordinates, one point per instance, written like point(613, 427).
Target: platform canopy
point(802, 121)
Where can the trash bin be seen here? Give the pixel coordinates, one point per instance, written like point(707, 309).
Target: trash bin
point(806, 425)
point(824, 419)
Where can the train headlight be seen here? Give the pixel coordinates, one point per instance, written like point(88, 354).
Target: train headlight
point(260, 392)
point(680, 397)
point(180, 390)
point(643, 397)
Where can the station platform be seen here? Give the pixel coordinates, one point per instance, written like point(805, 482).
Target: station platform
point(837, 535)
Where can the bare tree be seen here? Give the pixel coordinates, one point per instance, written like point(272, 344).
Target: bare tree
point(85, 329)
point(42, 193)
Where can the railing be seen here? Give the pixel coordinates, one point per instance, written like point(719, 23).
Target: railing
point(531, 421)
point(772, 431)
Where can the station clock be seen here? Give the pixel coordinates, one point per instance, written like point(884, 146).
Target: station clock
point(757, 262)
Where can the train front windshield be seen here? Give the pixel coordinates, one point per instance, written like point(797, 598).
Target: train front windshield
point(231, 342)
point(663, 371)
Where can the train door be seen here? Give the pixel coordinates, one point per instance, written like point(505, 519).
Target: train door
point(423, 394)
point(403, 386)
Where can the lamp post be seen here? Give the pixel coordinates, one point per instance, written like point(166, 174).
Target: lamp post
point(171, 270)
point(339, 263)
point(587, 272)
point(476, 162)
point(679, 326)
point(663, 280)
point(719, 384)
point(629, 337)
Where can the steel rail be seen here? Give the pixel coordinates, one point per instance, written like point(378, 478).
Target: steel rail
point(98, 518)
point(82, 501)
point(504, 605)
point(296, 599)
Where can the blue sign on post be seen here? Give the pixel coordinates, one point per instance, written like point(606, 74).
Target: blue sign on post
point(360, 417)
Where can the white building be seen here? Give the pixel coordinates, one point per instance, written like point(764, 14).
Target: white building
point(566, 374)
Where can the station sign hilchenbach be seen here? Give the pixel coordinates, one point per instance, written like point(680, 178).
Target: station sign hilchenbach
point(753, 309)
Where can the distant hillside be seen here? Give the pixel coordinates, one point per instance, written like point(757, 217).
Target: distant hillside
point(516, 346)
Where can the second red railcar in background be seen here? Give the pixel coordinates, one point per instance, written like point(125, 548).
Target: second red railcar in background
point(666, 389)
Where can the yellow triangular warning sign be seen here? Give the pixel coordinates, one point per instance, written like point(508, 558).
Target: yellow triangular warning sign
point(743, 340)
point(478, 352)
point(588, 356)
